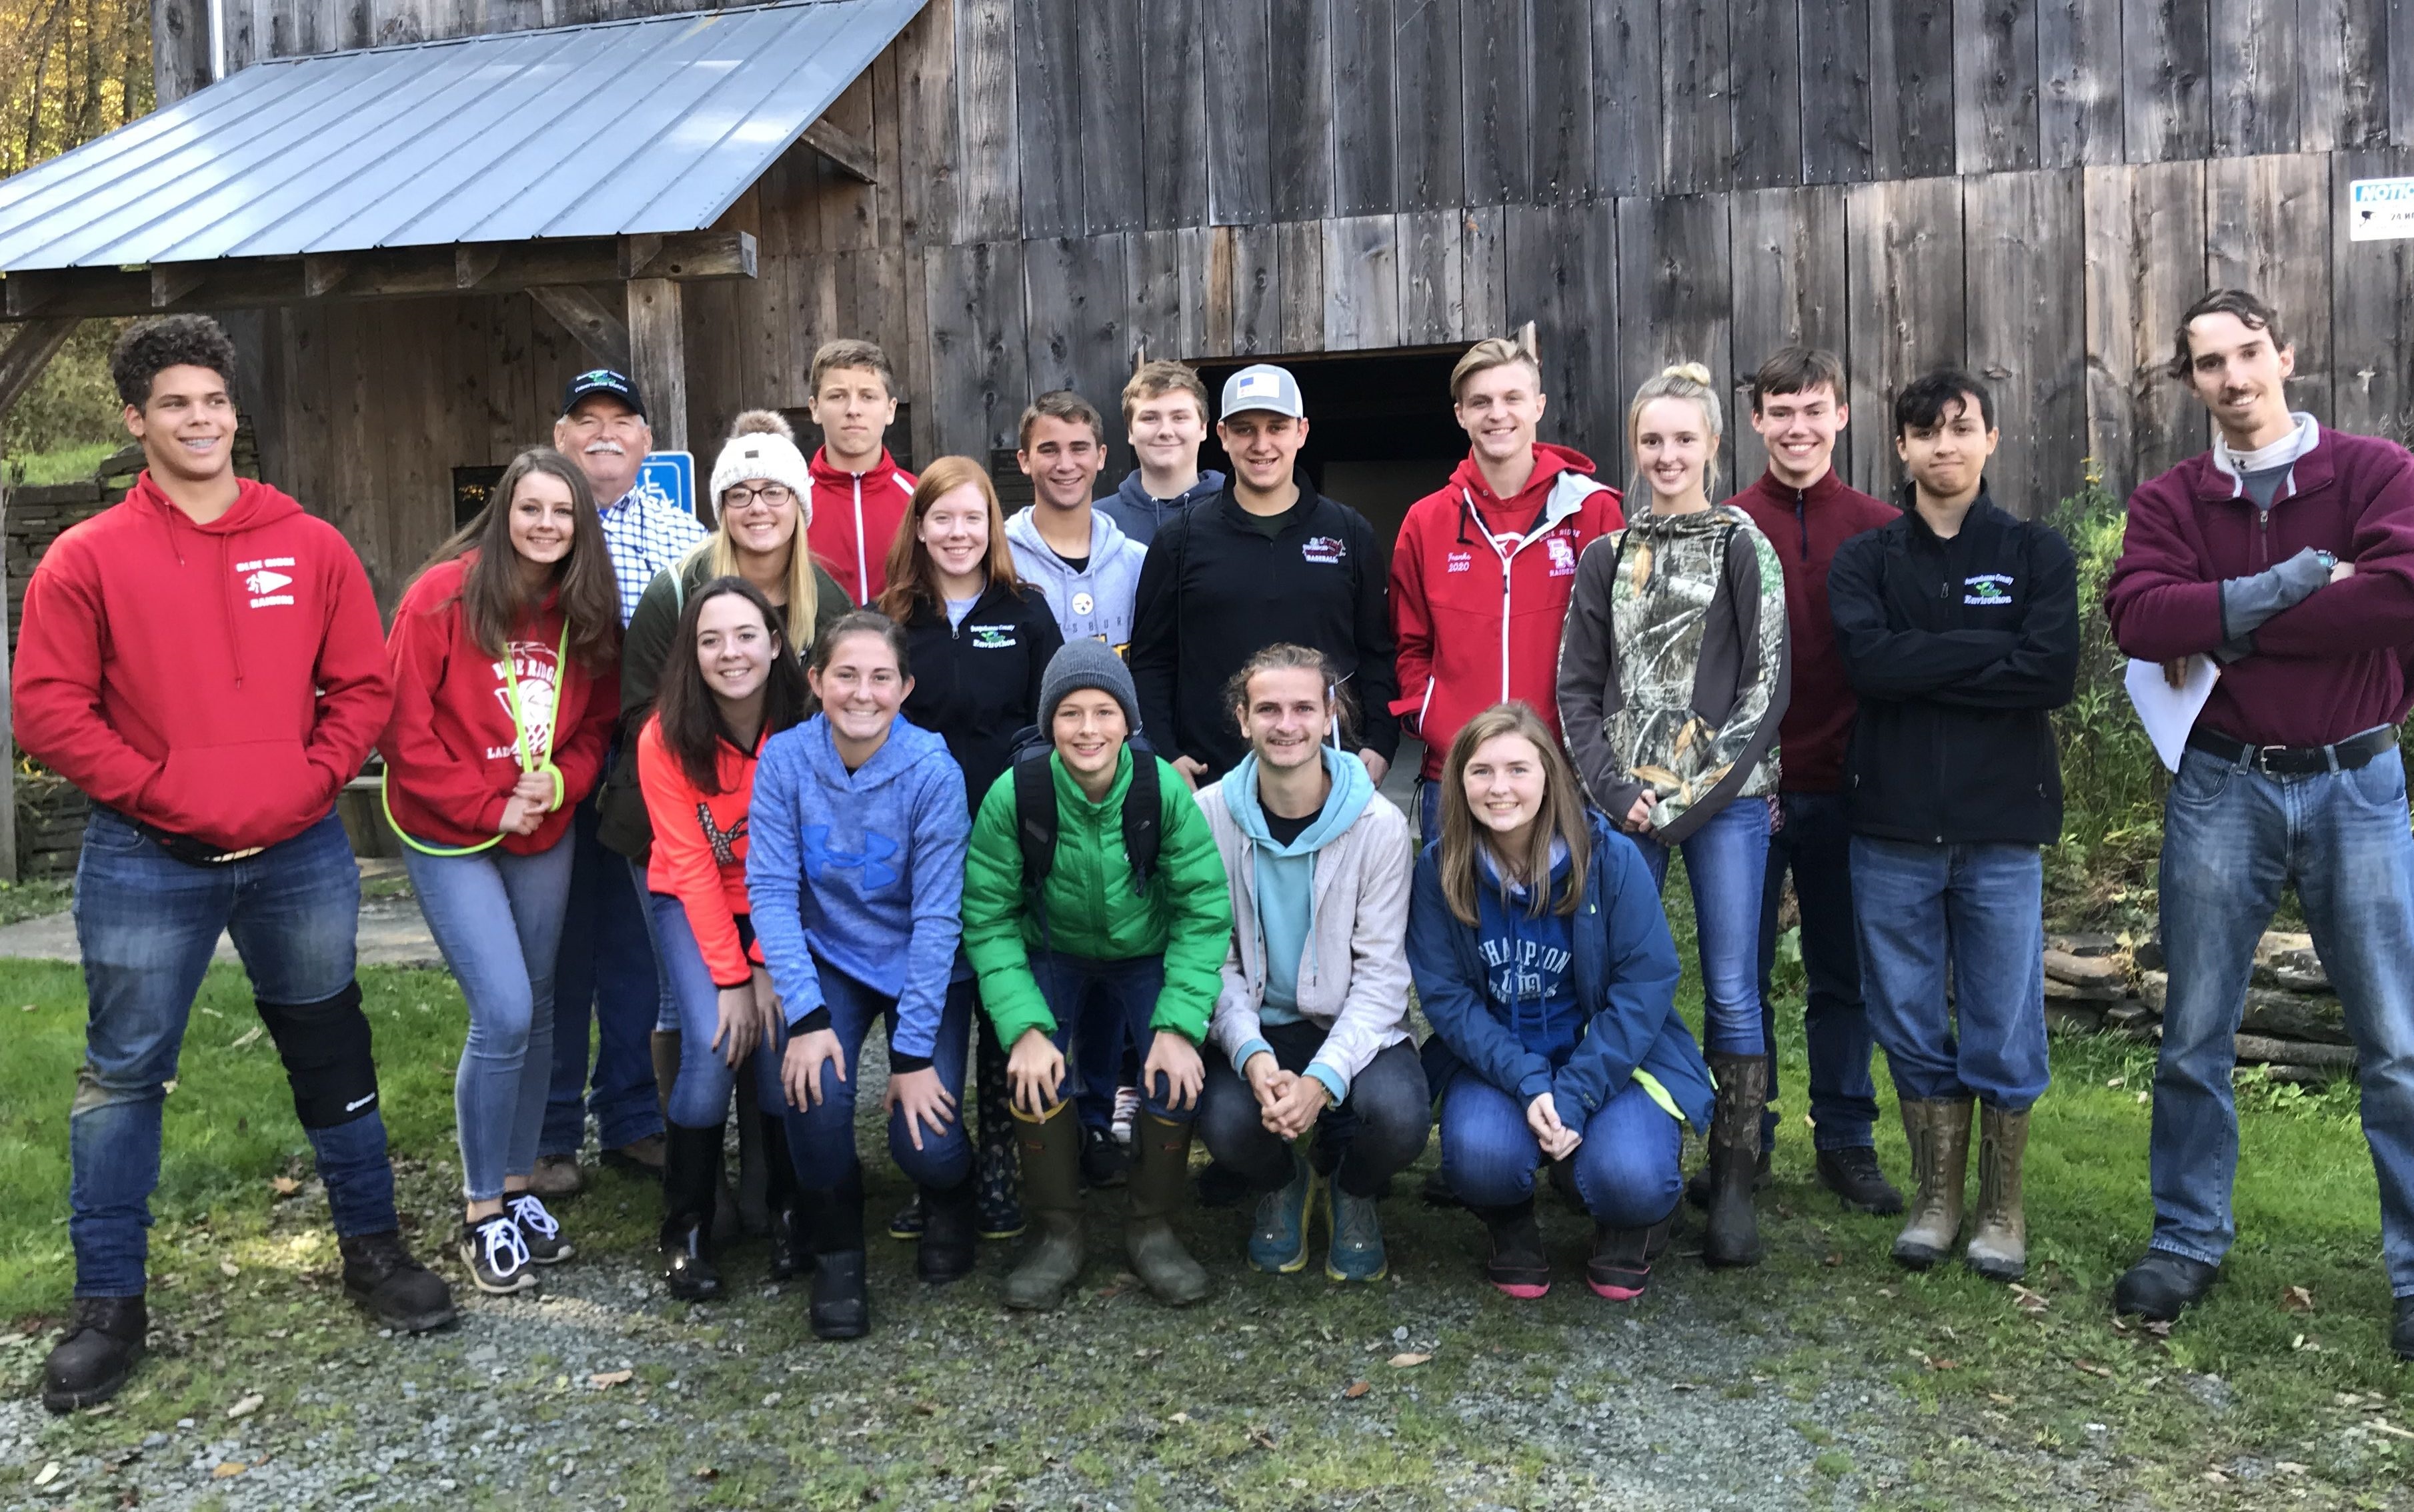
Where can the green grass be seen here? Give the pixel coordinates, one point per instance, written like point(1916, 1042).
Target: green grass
point(68, 465)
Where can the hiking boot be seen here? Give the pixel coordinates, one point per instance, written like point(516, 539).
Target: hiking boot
point(1697, 1186)
point(1854, 1174)
point(1160, 1179)
point(1938, 1132)
point(1733, 1236)
point(1999, 1247)
point(556, 1176)
point(639, 1157)
point(2401, 1328)
point(1355, 1251)
point(948, 1236)
point(1620, 1266)
point(496, 1255)
point(691, 1193)
point(997, 1205)
point(95, 1354)
point(1051, 1154)
point(1515, 1262)
point(1105, 1162)
point(381, 1276)
point(908, 1221)
point(1278, 1238)
point(539, 1229)
point(842, 1305)
point(2161, 1286)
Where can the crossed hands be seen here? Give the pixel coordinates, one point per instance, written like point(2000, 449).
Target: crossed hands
point(1289, 1103)
point(530, 800)
point(1557, 1140)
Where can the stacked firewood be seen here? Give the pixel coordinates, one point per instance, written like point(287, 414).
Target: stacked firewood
point(2292, 1023)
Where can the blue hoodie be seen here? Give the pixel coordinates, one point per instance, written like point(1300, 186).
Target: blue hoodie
point(1579, 1030)
point(1140, 514)
point(882, 850)
point(1096, 604)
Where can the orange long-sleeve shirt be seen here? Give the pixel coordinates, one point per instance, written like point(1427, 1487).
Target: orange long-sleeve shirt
point(699, 855)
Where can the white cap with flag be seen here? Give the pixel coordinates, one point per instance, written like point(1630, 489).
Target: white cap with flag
point(1263, 386)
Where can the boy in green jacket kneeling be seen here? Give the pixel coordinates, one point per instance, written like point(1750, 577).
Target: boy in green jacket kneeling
point(1093, 877)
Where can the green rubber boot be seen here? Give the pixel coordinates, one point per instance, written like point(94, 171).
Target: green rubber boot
point(1051, 1201)
point(1160, 1179)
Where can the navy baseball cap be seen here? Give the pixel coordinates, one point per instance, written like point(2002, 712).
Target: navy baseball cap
point(619, 386)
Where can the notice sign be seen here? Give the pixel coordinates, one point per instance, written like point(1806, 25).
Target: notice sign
point(668, 479)
point(2380, 210)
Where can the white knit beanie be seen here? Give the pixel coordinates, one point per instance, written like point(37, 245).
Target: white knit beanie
point(762, 448)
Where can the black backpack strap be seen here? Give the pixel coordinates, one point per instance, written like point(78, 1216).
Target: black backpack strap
point(1034, 818)
point(1143, 819)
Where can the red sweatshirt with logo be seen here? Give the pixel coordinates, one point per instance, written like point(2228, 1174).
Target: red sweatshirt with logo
point(451, 751)
point(1479, 588)
point(699, 855)
point(221, 681)
point(1806, 526)
point(854, 521)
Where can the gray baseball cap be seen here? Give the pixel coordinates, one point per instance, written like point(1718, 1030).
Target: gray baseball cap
point(1263, 386)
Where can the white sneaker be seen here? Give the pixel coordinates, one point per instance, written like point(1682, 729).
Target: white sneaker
point(1126, 1110)
point(496, 1255)
point(540, 1231)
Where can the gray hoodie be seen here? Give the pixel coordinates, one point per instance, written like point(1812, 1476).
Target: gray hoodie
point(1093, 604)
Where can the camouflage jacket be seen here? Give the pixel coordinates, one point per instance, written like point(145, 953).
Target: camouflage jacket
point(1673, 669)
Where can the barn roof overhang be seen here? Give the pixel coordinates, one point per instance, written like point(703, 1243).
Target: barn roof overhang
point(528, 160)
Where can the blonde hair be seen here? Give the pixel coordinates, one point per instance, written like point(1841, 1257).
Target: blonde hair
point(1153, 380)
point(804, 591)
point(1562, 817)
point(1680, 381)
point(1489, 353)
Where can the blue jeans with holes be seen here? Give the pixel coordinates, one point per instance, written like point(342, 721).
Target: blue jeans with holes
point(821, 1139)
point(1117, 996)
point(700, 1097)
point(1817, 845)
point(1726, 861)
point(146, 924)
point(1626, 1169)
point(1979, 910)
point(2232, 837)
point(606, 968)
point(496, 917)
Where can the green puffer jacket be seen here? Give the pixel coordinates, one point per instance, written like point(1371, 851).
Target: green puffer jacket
point(1185, 916)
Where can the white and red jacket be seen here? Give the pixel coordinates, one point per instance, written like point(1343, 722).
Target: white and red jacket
point(220, 681)
point(1480, 590)
point(453, 749)
point(851, 518)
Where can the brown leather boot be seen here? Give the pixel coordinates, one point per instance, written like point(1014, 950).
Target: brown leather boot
point(1999, 1239)
point(1938, 1132)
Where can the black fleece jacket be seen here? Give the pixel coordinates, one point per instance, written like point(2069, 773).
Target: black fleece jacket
point(1217, 588)
point(976, 683)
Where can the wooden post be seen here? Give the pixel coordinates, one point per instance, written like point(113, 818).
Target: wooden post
point(605, 334)
point(8, 714)
point(37, 342)
point(180, 48)
point(658, 355)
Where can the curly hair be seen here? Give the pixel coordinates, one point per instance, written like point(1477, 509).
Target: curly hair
point(173, 341)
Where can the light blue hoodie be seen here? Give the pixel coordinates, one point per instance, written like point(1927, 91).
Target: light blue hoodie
point(1096, 604)
point(883, 851)
point(1286, 885)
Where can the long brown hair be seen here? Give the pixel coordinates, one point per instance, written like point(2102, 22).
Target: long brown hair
point(912, 576)
point(1562, 817)
point(492, 599)
point(692, 727)
point(804, 588)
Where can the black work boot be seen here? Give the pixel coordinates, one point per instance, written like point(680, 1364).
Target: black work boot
point(95, 1354)
point(840, 1306)
point(1854, 1174)
point(1513, 1260)
point(2161, 1286)
point(949, 1236)
point(691, 1190)
point(1733, 1236)
point(380, 1277)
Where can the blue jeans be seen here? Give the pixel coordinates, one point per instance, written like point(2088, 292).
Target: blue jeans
point(1106, 1057)
point(2231, 838)
point(1816, 843)
point(1428, 811)
point(496, 917)
point(1626, 1169)
point(1374, 1133)
point(700, 1098)
point(147, 923)
point(1109, 997)
point(1725, 860)
point(821, 1139)
point(1977, 910)
point(605, 966)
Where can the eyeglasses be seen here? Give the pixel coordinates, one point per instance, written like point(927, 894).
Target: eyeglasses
point(778, 495)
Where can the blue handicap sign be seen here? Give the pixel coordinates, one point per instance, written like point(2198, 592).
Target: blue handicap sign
point(668, 478)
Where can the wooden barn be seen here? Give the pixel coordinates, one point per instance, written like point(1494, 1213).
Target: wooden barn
point(482, 196)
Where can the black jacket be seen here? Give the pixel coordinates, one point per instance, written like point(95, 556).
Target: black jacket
point(1216, 590)
point(976, 683)
point(1959, 649)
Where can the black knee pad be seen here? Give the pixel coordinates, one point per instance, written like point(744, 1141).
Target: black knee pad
point(325, 1046)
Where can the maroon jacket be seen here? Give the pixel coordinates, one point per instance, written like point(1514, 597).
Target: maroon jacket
point(2320, 672)
point(1806, 526)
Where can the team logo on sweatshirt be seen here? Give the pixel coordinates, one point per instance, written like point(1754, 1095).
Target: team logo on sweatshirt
point(532, 664)
point(1083, 603)
point(1326, 549)
point(1563, 554)
point(992, 637)
point(265, 579)
point(724, 841)
point(1989, 590)
point(1459, 561)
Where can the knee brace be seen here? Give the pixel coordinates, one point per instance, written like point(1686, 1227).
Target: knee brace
point(325, 1047)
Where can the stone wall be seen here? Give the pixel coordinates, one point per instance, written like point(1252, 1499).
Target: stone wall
point(2294, 1025)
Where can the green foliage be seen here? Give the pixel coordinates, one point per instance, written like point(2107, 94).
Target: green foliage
point(71, 408)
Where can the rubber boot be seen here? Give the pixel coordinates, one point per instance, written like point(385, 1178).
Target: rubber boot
point(753, 1179)
point(691, 1180)
point(998, 1208)
point(1051, 1203)
point(1160, 1179)
point(1938, 1132)
point(945, 1251)
point(1999, 1236)
point(790, 1255)
point(1620, 1266)
point(840, 1306)
point(1734, 1160)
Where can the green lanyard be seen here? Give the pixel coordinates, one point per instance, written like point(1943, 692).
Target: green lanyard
point(530, 761)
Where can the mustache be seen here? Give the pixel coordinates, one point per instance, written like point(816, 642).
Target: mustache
point(607, 448)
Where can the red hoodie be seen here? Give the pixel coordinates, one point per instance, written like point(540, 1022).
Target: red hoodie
point(221, 681)
point(1479, 592)
point(853, 518)
point(1806, 526)
point(452, 753)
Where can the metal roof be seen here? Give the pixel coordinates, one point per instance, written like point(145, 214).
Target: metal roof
point(649, 126)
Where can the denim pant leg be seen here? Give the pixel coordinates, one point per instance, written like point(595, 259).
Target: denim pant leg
point(821, 1138)
point(1428, 810)
point(1231, 1127)
point(1627, 1169)
point(296, 924)
point(946, 1158)
point(1899, 890)
point(1097, 998)
point(1772, 894)
point(1844, 1099)
point(2353, 843)
point(1726, 860)
point(1101, 1047)
point(1488, 1154)
point(1994, 916)
point(700, 1097)
point(2226, 854)
point(146, 924)
point(1381, 1127)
